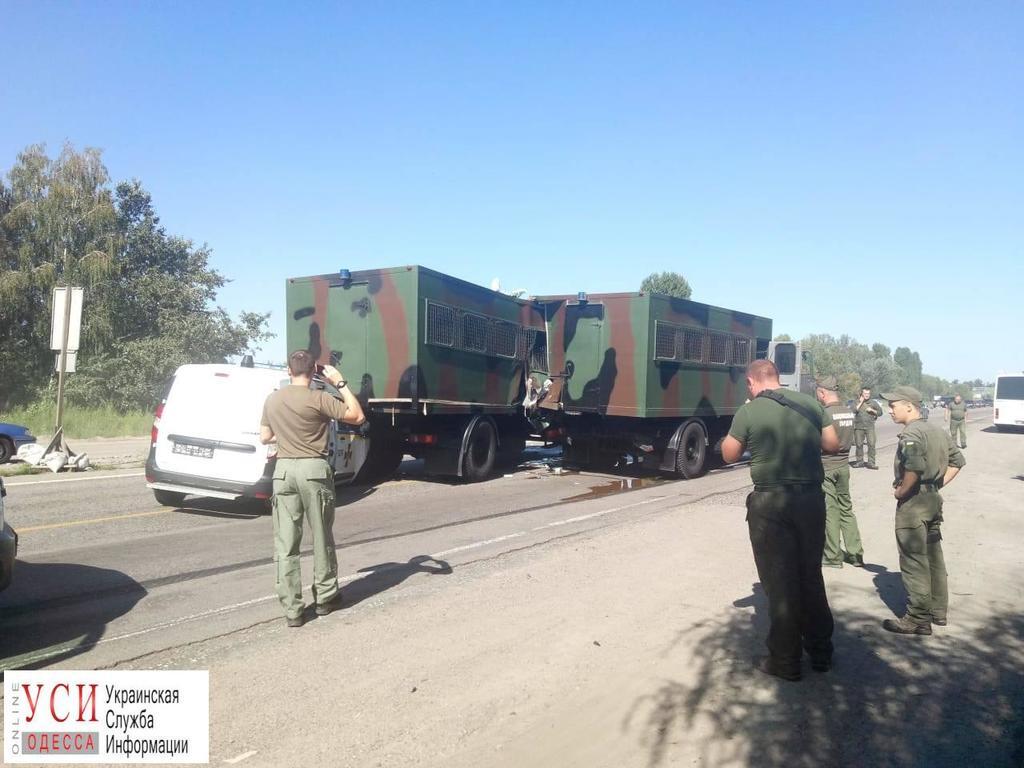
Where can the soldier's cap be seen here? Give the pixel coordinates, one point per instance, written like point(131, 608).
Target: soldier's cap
point(828, 382)
point(903, 392)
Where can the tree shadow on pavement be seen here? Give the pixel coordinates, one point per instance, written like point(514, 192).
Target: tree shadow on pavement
point(383, 576)
point(55, 611)
point(952, 699)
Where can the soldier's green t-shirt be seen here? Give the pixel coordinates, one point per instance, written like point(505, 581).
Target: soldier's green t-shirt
point(866, 414)
point(927, 449)
point(957, 412)
point(784, 445)
point(300, 418)
point(842, 420)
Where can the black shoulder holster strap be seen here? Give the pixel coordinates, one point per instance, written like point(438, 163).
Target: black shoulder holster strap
point(804, 411)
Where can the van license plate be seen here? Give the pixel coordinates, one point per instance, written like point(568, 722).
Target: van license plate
point(188, 449)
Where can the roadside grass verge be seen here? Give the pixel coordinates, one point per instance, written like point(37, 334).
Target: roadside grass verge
point(15, 469)
point(80, 422)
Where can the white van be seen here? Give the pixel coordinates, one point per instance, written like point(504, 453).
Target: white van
point(206, 436)
point(1008, 401)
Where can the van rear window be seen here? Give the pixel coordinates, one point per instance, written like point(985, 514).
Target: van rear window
point(198, 404)
point(1010, 388)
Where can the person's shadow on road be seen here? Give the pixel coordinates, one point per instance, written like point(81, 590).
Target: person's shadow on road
point(384, 576)
point(889, 586)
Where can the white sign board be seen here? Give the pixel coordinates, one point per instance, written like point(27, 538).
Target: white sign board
point(60, 297)
point(72, 359)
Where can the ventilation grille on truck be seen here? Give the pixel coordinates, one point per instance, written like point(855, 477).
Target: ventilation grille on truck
point(698, 345)
point(471, 332)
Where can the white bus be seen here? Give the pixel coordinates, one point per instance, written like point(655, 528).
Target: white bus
point(1008, 402)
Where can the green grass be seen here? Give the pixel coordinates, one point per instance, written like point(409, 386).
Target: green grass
point(80, 422)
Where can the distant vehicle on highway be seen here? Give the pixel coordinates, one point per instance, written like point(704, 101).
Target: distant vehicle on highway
point(8, 544)
point(12, 437)
point(1008, 401)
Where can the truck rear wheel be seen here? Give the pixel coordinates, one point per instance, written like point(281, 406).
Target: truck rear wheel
point(691, 459)
point(478, 463)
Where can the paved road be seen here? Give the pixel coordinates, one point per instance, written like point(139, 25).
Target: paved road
point(106, 573)
point(558, 619)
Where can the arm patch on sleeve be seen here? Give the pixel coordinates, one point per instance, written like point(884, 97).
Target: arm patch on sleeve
point(914, 458)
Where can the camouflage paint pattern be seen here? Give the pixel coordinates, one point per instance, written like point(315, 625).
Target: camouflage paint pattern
point(609, 344)
point(375, 328)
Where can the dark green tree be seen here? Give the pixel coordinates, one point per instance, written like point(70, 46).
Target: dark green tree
point(910, 366)
point(669, 283)
point(149, 296)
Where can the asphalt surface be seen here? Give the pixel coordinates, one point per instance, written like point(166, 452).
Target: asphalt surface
point(107, 578)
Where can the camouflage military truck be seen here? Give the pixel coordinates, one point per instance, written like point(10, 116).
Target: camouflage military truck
point(439, 364)
point(461, 375)
point(652, 377)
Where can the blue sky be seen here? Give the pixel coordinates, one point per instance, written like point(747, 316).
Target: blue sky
point(841, 168)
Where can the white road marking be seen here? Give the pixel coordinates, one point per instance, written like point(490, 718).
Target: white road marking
point(600, 513)
point(75, 479)
point(241, 757)
point(23, 660)
point(477, 544)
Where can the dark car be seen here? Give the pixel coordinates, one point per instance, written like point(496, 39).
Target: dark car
point(8, 543)
point(12, 437)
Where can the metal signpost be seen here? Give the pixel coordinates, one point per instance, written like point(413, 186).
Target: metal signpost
point(65, 332)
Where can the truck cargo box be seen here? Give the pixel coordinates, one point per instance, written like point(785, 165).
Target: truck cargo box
point(410, 338)
point(649, 356)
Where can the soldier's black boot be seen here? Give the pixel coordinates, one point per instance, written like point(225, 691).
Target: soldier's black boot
point(767, 665)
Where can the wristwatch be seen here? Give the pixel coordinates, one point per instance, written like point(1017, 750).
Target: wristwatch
point(341, 383)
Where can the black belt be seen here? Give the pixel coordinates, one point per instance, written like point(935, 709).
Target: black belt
point(789, 487)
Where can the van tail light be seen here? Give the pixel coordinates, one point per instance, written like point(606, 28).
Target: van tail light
point(554, 434)
point(155, 432)
point(423, 439)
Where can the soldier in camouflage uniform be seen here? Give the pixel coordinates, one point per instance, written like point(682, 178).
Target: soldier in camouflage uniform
point(867, 411)
point(839, 518)
point(956, 415)
point(926, 460)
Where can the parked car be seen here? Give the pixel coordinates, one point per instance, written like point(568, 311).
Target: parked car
point(8, 544)
point(12, 437)
point(206, 436)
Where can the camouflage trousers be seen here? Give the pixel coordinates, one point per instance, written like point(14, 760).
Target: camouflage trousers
point(840, 522)
point(304, 490)
point(863, 435)
point(919, 540)
point(958, 429)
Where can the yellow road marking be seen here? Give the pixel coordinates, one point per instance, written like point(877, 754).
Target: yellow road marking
point(70, 523)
